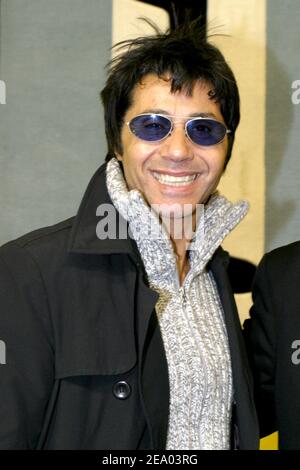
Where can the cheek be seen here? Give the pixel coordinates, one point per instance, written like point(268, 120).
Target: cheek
point(218, 161)
point(133, 163)
point(138, 157)
point(214, 163)
point(219, 166)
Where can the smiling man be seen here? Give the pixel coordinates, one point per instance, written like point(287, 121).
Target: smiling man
point(134, 342)
point(172, 169)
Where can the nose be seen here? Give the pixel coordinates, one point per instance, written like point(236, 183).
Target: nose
point(177, 146)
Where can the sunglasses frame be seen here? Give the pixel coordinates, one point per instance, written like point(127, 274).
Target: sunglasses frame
point(179, 118)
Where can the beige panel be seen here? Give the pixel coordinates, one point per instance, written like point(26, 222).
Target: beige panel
point(245, 50)
point(244, 302)
point(126, 23)
point(245, 176)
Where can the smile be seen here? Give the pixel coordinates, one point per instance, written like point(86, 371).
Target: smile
point(172, 180)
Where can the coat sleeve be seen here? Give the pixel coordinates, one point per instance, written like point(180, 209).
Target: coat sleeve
point(259, 333)
point(27, 359)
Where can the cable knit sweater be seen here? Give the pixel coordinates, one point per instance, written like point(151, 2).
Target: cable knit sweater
point(190, 316)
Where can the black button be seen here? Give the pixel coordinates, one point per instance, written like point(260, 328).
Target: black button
point(121, 390)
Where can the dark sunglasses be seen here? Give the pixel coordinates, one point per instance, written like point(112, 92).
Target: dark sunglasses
point(200, 130)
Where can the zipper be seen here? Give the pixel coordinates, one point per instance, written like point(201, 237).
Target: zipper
point(183, 298)
point(235, 437)
point(182, 295)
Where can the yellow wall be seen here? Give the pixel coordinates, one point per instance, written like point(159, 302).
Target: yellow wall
point(244, 46)
point(245, 49)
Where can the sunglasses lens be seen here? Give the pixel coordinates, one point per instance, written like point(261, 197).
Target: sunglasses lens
point(150, 127)
point(206, 131)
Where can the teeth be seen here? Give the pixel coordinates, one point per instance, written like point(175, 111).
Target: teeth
point(174, 180)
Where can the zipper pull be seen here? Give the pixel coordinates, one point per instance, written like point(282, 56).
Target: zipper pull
point(182, 295)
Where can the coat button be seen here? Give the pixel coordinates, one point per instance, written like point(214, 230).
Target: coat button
point(121, 390)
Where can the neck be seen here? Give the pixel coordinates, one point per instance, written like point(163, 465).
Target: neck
point(183, 263)
point(181, 231)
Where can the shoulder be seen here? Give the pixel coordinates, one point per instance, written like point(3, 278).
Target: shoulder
point(44, 234)
point(279, 269)
point(41, 246)
point(286, 257)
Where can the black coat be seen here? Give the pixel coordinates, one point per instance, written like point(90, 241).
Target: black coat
point(85, 364)
point(273, 337)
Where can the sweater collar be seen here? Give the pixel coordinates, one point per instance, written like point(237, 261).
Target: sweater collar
point(217, 220)
point(83, 238)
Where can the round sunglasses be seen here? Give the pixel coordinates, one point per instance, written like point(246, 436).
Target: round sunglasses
point(156, 127)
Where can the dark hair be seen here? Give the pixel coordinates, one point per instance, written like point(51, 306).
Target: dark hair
point(183, 53)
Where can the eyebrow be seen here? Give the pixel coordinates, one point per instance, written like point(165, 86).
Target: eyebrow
point(163, 111)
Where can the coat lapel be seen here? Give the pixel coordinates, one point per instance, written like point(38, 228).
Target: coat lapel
point(242, 381)
point(153, 368)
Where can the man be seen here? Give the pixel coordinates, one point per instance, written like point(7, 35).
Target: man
point(134, 342)
point(273, 336)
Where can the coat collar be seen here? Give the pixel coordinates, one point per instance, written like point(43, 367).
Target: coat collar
point(83, 238)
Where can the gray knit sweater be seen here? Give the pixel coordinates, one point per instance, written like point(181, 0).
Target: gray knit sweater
point(190, 317)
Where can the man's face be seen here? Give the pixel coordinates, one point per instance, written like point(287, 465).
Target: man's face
point(146, 163)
